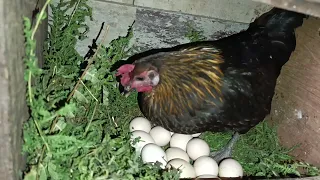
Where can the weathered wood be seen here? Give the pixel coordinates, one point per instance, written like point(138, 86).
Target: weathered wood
point(13, 109)
point(247, 178)
point(305, 178)
point(296, 104)
point(310, 7)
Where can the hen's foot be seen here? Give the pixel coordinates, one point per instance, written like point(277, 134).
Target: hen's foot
point(226, 151)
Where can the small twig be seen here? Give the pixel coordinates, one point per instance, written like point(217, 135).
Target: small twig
point(40, 18)
point(88, 90)
point(38, 21)
point(54, 71)
point(114, 121)
point(41, 135)
point(76, 86)
point(91, 119)
point(89, 63)
point(74, 10)
point(82, 75)
point(31, 50)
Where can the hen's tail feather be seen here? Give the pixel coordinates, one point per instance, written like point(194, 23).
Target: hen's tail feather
point(280, 26)
point(280, 20)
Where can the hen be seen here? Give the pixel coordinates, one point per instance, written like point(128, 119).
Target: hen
point(218, 86)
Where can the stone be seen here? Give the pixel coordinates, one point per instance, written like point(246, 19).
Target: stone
point(159, 29)
point(123, 1)
point(118, 17)
point(230, 10)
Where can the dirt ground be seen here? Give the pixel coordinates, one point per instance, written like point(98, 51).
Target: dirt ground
point(296, 104)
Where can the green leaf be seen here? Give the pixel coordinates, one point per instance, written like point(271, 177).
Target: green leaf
point(60, 125)
point(90, 75)
point(27, 25)
point(105, 100)
point(80, 97)
point(67, 109)
point(52, 171)
point(31, 175)
point(43, 173)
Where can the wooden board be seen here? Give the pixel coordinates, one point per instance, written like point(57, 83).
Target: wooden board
point(296, 104)
point(310, 7)
point(13, 109)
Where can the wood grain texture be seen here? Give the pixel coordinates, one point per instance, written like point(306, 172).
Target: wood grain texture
point(310, 7)
point(296, 104)
point(252, 178)
point(13, 109)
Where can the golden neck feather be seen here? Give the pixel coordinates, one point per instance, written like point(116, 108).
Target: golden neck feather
point(187, 79)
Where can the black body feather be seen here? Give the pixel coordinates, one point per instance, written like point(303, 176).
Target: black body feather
point(252, 61)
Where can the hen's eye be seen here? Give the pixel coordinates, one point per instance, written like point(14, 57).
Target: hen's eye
point(151, 75)
point(139, 78)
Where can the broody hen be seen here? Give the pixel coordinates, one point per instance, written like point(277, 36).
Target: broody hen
point(218, 86)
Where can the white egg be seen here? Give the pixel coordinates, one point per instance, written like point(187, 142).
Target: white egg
point(206, 176)
point(152, 153)
point(140, 123)
point(196, 135)
point(160, 135)
point(230, 168)
point(187, 171)
point(145, 139)
point(206, 165)
point(197, 147)
point(180, 140)
point(175, 152)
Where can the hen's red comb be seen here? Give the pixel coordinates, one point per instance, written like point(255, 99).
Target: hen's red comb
point(124, 69)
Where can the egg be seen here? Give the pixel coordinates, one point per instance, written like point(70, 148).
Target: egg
point(175, 152)
point(205, 165)
point(196, 135)
point(152, 153)
point(197, 147)
point(140, 123)
point(145, 139)
point(160, 135)
point(186, 169)
point(230, 168)
point(206, 176)
point(180, 140)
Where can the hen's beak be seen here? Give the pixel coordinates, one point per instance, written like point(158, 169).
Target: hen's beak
point(127, 91)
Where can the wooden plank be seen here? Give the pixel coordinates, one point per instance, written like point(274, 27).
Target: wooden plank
point(295, 106)
point(309, 7)
point(13, 109)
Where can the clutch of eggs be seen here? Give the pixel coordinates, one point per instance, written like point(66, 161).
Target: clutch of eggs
point(183, 148)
